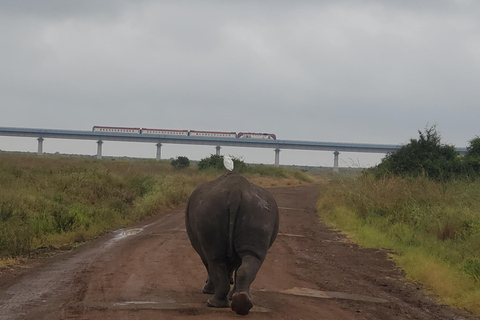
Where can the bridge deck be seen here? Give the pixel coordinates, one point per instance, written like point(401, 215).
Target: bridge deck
point(275, 144)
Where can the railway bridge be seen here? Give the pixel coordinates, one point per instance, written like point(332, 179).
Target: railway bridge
point(159, 140)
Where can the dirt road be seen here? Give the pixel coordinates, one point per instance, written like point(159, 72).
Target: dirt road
point(151, 272)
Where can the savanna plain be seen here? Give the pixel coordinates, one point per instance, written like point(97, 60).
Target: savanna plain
point(412, 242)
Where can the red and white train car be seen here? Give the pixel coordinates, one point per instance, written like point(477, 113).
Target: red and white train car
point(116, 129)
point(215, 134)
point(192, 133)
point(254, 135)
point(165, 132)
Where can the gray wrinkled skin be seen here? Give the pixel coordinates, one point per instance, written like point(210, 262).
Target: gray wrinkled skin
point(231, 223)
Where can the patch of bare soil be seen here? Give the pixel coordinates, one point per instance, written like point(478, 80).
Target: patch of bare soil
point(152, 272)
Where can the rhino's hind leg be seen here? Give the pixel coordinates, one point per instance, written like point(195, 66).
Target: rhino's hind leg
point(219, 275)
point(246, 273)
point(241, 303)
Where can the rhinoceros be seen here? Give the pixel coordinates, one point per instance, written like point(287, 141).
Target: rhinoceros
point(231, 224)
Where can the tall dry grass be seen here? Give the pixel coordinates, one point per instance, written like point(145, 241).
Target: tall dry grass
point(60, 201)
point(57, 201)
point(435, 228)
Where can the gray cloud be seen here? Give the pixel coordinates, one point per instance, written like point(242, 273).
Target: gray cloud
point(358, 71)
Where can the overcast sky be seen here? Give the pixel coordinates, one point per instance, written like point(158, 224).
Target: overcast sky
point(336, 71)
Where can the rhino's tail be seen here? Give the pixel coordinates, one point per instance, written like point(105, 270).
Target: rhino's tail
point(233, 206)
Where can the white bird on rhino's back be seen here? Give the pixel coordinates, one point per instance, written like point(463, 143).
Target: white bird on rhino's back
point(228, 163)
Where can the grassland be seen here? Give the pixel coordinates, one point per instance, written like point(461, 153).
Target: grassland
point(58, 201)
point(433, 228)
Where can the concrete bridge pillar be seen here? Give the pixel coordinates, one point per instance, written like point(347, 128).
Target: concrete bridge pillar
point(217, 148)
point(159, 151)
point(99, 149)
point(40, 146)
point(335, 161)
point(277, 157)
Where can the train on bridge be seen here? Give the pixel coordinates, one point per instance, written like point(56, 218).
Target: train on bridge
point(188, 133)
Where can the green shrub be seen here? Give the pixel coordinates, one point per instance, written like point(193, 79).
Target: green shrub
point(428, 157)
point(215, 163)
point(180, 163)
point(473, 150)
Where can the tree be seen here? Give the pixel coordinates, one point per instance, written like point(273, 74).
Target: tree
point(425, 156)
point(472, 157)
point(181, 163)
point(473, 150)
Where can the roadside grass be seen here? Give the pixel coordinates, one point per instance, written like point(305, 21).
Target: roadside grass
point(7, 262)
point(60, 202)
point(433, 228)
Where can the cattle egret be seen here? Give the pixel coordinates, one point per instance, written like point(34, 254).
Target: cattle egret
point(228, 163)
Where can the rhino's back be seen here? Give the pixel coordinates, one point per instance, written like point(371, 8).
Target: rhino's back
point(255, 213)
